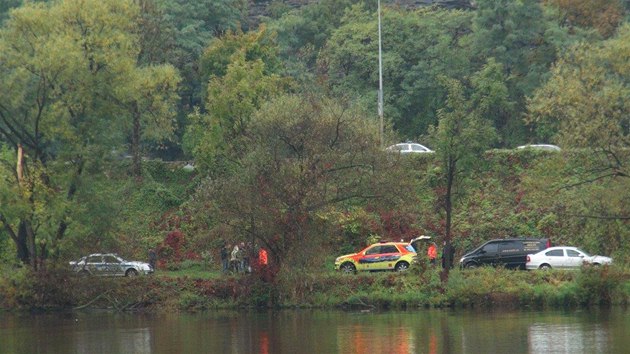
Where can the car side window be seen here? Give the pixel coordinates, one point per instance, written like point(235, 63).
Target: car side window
point(94, 259)
point(491, 248)
point(389, 249)
point(373, 250)
point(509, 247)
point(533, 246)
point(554, 253)
point(111, 259)
point(572, 253)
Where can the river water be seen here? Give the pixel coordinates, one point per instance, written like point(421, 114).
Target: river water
point(305, 331)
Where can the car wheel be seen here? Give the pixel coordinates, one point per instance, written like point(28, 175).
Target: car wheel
point(545, 266)
point(348, 268)
point(84, 273)
point(401, 266)
point(471, 265)
point(131, 273)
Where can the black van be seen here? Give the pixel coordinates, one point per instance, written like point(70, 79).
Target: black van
point(510, 252)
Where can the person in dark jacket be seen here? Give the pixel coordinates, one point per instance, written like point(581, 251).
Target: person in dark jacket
point(225, 258)
point(152, 258)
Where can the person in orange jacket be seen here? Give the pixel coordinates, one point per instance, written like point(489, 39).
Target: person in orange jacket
point(432, 253)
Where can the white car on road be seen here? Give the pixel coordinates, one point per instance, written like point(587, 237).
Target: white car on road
point(563, 257)
point(547, 147)
point(409, 148)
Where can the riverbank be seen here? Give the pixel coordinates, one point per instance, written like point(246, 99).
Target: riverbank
point(163, 292)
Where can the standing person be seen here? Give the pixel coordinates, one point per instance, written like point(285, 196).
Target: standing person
point(234, 262)
point(152, 258)
point(432, 253)
point(262, 257)
point(262, 265)
point(225, 258)
point(244, 257)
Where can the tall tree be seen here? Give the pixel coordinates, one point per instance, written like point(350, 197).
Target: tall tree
point(242, 76)
point(304, 31)
point(67, 67)
point(306, 156)
point(513, 33)
point(585, 103)
point(418, 47)
point(238, 45)
point(150, 99)
point(192, 25)
point(460, 137)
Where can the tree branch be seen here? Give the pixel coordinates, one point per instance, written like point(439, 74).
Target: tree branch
point(599, 217)
point(613, 174)
point(8, 228)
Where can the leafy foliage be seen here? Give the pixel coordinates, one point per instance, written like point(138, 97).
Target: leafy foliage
point(235, 92)
point(418, 47)
point(307, 155)
point(69, 71)
point(603, 15)
point(82, 80)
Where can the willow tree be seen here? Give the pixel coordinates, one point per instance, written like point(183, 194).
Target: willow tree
point(69, 72)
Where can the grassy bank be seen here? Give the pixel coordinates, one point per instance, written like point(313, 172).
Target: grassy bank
point(175, 291)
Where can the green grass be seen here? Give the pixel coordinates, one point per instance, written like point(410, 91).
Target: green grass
point(192, 273)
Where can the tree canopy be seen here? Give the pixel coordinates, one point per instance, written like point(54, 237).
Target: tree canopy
point(265, 111)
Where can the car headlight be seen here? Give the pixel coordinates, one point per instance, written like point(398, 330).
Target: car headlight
point(461, 260)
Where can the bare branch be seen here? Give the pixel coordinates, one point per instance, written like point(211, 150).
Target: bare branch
point(599, 217)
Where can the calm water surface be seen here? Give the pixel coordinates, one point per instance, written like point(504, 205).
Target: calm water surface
point(417, 331)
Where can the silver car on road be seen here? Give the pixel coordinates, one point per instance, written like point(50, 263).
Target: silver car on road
point(109, 264)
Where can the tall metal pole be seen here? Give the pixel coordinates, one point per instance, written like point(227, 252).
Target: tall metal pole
point(380, 75)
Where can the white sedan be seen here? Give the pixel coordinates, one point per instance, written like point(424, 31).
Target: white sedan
point(547, 147)
point(409, 148)
point(563, 257)
point(109, 264)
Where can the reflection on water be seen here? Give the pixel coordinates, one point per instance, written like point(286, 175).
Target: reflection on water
point(362, 338)
point(567, 338)
point(414, 331)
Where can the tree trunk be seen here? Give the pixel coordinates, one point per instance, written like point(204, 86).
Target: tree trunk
point(448, 207)
point(20, 166)
point(25, 244)
point(25, 239)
